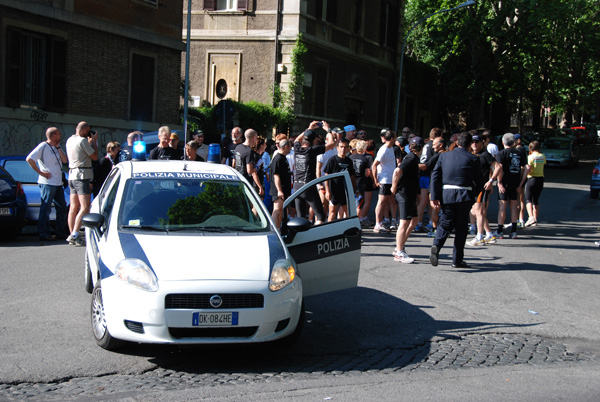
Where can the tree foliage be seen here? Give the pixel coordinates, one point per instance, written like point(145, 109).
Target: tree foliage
point(499, 58)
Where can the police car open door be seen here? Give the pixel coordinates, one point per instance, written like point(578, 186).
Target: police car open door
point(328, 255)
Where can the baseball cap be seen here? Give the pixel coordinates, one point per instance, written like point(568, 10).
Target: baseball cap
point(337, 130)
point(174, 136)
point(310, 135)
point(476, 138)
point(517, 136)
point(417, 140)
point(350, 127)
point(199, 132)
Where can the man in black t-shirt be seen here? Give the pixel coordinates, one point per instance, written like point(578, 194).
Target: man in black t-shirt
point(405, 187)
point(281, 179)
point(244, 161)
point(305, 165)
point(228, 146)
point(510, 182)
point(163, 150)
point(335, 190)
point(424, 177)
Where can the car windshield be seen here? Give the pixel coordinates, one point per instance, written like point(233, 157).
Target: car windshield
point(557, 144)
point(21, 171)
point(190, 204)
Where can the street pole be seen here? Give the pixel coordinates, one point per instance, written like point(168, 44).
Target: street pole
point(187, 72)
point(465, 4)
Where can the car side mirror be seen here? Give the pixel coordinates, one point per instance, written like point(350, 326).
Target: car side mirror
point(294, 226)
point(92, 221)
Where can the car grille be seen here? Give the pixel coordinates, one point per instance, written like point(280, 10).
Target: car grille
point(202, 300)
point(241, 332)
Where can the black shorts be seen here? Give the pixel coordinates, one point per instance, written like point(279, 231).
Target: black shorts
point(385, 189)
point(338, 198)
point(533, 189)
point(510, 194)
point(407, 207)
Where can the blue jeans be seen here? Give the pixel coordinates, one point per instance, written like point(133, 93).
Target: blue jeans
point(56, 195)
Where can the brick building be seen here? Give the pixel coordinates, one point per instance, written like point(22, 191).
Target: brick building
point(350, 67)
point(113, 63)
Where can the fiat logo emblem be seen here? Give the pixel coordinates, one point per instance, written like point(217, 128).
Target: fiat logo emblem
point(216, 301)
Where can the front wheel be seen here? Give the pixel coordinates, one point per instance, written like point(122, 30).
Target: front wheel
point(103, 338)
point(594, 194)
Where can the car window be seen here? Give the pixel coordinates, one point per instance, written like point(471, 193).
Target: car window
point(107, 183)
point(21, 171)
point(180, 204)
point(109, 199)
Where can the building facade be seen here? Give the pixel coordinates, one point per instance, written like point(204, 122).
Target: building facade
point(350, 65)
point(113, 63)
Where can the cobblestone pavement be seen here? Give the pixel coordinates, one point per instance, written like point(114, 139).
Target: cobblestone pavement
point(212, 369)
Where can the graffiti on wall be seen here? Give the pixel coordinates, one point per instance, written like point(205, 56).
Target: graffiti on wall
point(19, 137)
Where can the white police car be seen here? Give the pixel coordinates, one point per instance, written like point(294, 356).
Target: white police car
point(185, 252)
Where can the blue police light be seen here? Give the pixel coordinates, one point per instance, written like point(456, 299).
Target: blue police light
point(139, 151)
point(214, 153)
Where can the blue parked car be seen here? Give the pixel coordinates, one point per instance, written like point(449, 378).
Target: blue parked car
point(13, 206)
point(18, 167)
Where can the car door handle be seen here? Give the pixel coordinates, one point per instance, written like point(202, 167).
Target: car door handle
point(352, 232)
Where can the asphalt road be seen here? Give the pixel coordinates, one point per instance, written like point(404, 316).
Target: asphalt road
point(400, 331)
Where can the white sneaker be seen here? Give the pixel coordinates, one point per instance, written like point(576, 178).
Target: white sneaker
point(489, 239)
point(403, 258)
point(379, 228)
point(476, 242)
point(597, 243)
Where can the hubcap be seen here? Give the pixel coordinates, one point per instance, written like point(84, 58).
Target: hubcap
point(98, 318)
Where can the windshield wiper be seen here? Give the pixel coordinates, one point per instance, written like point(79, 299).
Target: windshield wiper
point(241, 229)
point(145, 227)
point(216, 229)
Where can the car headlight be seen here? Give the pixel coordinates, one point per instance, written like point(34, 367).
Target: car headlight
point(136, 273)
point(282, 274)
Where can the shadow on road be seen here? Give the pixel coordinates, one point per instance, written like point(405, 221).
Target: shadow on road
point(341, 327)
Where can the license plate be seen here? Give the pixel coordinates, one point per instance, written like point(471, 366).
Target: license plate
point(215, 319)
point(5, 211)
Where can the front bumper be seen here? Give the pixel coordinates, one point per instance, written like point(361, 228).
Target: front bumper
point(139, 316)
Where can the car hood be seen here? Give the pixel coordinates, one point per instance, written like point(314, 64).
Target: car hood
point(218, 257)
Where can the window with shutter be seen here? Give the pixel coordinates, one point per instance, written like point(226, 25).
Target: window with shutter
point(242, 5)
point(56, 98)
point(142, 87)
point(14, 70)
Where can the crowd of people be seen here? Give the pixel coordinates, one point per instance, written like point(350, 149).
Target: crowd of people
point(445, 182)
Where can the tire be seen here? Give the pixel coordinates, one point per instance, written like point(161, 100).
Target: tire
point(98, 320)
point(594, 194)
point(11, 233)
point(289, 340)
point(87, 275)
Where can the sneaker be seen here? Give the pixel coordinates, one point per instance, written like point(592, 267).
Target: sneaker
point(597, 243)
point(513, 235)
point(379, 228)
point(386, 223)
point(70, 239)
point(498, 235)
point(431, 233)
point(476, 242)
point(530, 222)
point(489, 239)
point(434, 256)
point(419, 228)
point(520, 224)
point(78, 241)
point(393, 225)
point(472, 230)
point(403, 258)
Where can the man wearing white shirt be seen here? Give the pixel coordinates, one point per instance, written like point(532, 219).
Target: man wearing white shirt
point(384, 165)
point(47, 159)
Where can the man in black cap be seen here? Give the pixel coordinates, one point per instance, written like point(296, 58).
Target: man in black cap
point(305, 163)
point(203, 148)
point(405, 187)
point(455, 181)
